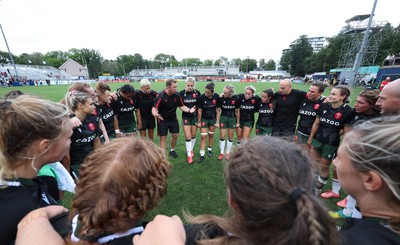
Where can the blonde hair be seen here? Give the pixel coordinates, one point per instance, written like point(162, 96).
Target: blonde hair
point(230, 88)
point(144, 82)
point(191, 80)
point(262, 177)
point(251, 88)
point(119, 183)
point(73, 98)
point(375, 146)
point(24, 120)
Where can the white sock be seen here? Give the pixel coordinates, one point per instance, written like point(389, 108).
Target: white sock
point(202, 153)
point(229, 146)
point(356, 214)
point(209, 149)
point(238, 143)
point(188, 145)
point(193, 142)
point(222, 146)
point(351, 203)
point(336, 186)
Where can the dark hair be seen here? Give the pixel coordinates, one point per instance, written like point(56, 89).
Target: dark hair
point(344, 90)
point(169, 82)
point(319, 85)
point(268, 92)
point(371, 96)
point(13, 94)
point(210, 86)
point(127, 88)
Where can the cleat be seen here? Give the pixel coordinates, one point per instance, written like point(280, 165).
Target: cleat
point(220, 157)
point(342, 203)
point(228, 156)
point(330, 194)
point(209, 153)
point(173, 154)
point(201, 159)
point(190, 160)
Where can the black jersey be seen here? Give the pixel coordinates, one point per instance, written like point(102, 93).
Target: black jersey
point(17, 200)
point(248, 107)
point(107, 116)
point(331, 122)
point(145, 103)
point(360, 117)
point(208, 106)
point(167, 105)
point(265, 114)
point(82, 140)
point(124, 109)
point(228, 106)
point(308, 111)
point(287, 107)
point(189, 100)
point(367, 231)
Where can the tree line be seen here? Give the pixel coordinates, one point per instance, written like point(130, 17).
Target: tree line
point(298, 60)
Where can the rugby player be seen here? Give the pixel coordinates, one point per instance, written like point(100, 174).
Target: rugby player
point(145, 97)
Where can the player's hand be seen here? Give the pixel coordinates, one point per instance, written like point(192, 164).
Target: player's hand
point(238, 125)
point(75, 122)
point(216, 124)
point(162, 230)
point(192, 110)
point(159, 117)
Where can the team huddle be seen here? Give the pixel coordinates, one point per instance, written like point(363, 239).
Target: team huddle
point(270, 181)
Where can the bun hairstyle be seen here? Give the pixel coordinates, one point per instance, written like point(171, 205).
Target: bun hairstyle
point(210, 86)
point(344, 90)
point(127, 88)
point(73, 98)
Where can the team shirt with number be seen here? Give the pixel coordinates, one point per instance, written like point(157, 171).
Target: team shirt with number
point(167, 105)
point(208, 106)
point(124, 109)
point(228, 105)
point(331, 122)
point(189, 100)
point(308, 111)
point(248, 107)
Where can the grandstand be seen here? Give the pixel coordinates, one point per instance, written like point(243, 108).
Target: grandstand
point(200, 72)
point(35, 72)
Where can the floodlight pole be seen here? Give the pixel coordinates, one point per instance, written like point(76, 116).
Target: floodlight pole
point(360, 54)
point(9, 53)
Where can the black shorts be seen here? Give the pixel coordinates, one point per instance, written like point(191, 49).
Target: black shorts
point(148, 123)
point(164, 126)
point(283, 131)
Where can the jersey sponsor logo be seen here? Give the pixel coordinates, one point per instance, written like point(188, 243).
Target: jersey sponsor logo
point(228, 107)
point(316, 106)
point(330, 122)
point(338, 115)
point(307, 113)
point(91, 126)
point(127, 109)
point(266, 111)
point(189, 100)
point(108, 115)
point(86, 140)
point(247, 107)
point(253, 101)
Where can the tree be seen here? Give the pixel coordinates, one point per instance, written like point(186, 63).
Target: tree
point(163, 60)
point(270, 65)
point(55, 58)
point(89, 57)
point(301, 50)
point(191, 62)
point(208, 62)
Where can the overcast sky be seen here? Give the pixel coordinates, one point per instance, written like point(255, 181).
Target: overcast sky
point(205, 29)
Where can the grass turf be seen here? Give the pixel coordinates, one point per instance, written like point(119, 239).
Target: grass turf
point(196, 188)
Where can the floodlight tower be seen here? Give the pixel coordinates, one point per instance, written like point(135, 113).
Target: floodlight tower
point(9, 53)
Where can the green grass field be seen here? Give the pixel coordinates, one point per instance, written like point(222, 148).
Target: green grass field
point(196, 188)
